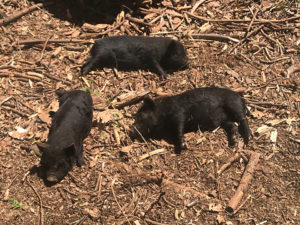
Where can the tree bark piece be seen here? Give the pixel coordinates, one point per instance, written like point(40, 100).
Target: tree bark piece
point(18, 15)
point(245, 181)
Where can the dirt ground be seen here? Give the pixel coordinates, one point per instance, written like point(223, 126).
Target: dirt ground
point(255, 50)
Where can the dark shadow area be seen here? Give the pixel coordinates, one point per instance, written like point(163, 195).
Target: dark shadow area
point(91, 11)
point(40, 173)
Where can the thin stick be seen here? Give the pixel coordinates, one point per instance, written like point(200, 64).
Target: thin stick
point(197, 5)
point(41, 221)
point(44, 48)
point(215, 37)
point(148, 154)
point(253, 18)
point(114, 194)
point(241, 21)
point(226, 165)
point(41, 41)
point(244, 39)
point(18, 15)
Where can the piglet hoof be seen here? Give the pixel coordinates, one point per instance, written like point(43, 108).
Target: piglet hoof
point(231, 143)
point(183, 145)
point(80, 161)
point(177, 150)
point(164, 76)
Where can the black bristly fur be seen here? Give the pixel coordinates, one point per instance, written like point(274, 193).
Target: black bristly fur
point(71, 124)
point(156, 54)
point(202, 108)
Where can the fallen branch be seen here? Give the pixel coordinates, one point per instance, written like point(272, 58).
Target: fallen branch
point(245, 181)
point(226, 165)
point(261, 21)
point(148, 154)
point(138, 21)
point(133, 99)
point(18, 15)
point(41, 41)
point(16, 74)
point(268, 104)
point(214, 37)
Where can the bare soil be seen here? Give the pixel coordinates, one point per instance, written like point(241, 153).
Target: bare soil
point(116, 186)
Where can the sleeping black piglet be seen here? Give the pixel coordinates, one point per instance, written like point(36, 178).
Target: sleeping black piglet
point(71, 124)
point(156, 54)
point(201, 108)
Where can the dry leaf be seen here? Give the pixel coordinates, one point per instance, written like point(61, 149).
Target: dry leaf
point(233, 73)
point(215, 208)
point(56, 51)
point(220, 219)
point(292, 69)
point(126, 149)
point(273, 136)
point(108, 115)
point(93, 28)
point(44, 116)
point(264, 129)
point(205, 27)
point(94, 213)
point(19, 133)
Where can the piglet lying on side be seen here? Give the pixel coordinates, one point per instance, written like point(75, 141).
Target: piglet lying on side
point(156, 54)
point(202, 108)
point(71, 124)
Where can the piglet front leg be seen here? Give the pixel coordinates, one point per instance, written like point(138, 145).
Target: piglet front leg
point(179, 134)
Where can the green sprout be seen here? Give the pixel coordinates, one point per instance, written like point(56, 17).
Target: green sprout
point(15, 203)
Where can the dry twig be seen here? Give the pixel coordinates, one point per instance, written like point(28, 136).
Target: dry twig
point(215, 37)
point(41, 221)
point(18, 15)
point(226, 165)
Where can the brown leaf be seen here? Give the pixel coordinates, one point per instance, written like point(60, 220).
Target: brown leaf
point(126, 149)
point(292, 69)
point(108, 115)
point(93, 28)
point(94, 213)
point(220, 219)
point(19, 133)
point(45, 117)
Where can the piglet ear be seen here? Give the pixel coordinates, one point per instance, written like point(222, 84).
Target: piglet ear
point(39, 148)
point(60, 92)
point(149, 103)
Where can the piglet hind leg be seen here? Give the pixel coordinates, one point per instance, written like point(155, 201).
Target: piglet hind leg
point(79, 155)
point(156, 67)
point(102, 59)
point(230, 130)
point(244, 130)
